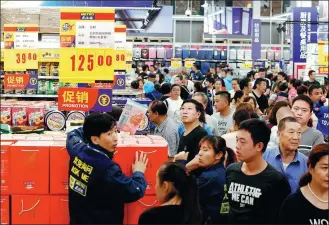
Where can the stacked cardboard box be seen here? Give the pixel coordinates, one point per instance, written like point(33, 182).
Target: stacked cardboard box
point(34, 176)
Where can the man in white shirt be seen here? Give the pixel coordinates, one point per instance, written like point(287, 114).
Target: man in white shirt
point(224, 113)
point(188, 83)
point(211, 121)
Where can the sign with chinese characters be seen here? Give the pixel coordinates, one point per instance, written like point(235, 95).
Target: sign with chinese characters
point(175, 62)
point(324, 70)
point(256, 39)
point(258, 64)
point(304, 31)
point(21, 36)
point(86, 65)
point(323, 53)
point(120, 37)
point(48, 55)
point(247, 65)
point(189, 63)
point(118, 83)
point(21, 81)
point(20, 59)
point(85, 99)
point(87, 27)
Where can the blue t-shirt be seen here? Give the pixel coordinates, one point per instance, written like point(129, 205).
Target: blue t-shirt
point(322, 114)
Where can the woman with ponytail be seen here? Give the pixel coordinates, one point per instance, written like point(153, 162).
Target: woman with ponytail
point(309, 205)
point(209, 167)
point(177, 190)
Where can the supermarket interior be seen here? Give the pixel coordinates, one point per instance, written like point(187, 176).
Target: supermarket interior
point(133, 112)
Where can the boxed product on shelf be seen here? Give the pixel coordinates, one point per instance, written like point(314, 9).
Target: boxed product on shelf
point(270, 54)
point(209, 54)
point(152, 53)
point(286, 54)
point(277, 54)
point(44, 68)
point(59, 209)
point(6, 114)
point(263, 54)
point(5, 167)
point(19, 115)
point(30, 209)
point(31, 91)
point(8, 91)
point(137, 53)
point(169, 53)
point(178, 53)
point(161, 53)
point(233, 54)
point(193, 53)
point(53, 87)
point(223, 55)
point(247, 54)
point(201, 54)
point(145, 53)
point(35, 116)
point(54, 69)
point(5, 209)
point(185, 53)
point(240, 54)
point(217, 54)
point(20, 91)
point(43, 86)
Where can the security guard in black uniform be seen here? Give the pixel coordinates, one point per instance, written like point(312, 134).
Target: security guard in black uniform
point(97, 187)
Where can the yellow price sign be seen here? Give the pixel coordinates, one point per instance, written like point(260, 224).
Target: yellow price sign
point(2, 55)
point(323, 53)
point(176, 63)
point(247, 65)
point(86, 65)
point(129, 55)
point(189, 63)
point(119, 60)
point(20, 59)
point(49, 55)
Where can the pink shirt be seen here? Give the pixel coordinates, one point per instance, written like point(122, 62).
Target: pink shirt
point(292, 92)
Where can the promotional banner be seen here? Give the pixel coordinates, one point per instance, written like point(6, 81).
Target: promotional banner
point(227, 20)
point(259, 64)
point(256, 39)
point(21, 81)
point(303, 32)
point(85, 99)
point(86, 65)
point(21, 36)
point(323, 53)
point(48, 55)
point(20, 59)
point(276, 66)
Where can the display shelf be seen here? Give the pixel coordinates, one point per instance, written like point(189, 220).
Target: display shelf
point(41, 77)
point(27, 96)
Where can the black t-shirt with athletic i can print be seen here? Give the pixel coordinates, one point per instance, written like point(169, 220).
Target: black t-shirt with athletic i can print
point(255, 199)
point(296, 209)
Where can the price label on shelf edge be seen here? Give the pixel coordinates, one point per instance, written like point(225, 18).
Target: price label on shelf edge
point(323, 53)
point(85, 99)
point(175, 63)
point(189, 63)
point(86, 65)
point(20, 59)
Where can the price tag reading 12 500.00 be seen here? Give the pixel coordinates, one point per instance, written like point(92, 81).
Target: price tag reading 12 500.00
point(20, 59)
point(86, 65)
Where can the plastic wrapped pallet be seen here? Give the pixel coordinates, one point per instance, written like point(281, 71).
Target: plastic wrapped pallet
point(137, 52)
point(270, 54)
point(277, 55)
point(169, 53)
point(201, 54)
point(152, 53)
point(247, 54)
point(240, 54)
point(233, 54)
point(263, 54)
point(193, 53)
point(286, 54)
point(161, 54)
point(209, 54)
point(185, 53)
point(178, 53)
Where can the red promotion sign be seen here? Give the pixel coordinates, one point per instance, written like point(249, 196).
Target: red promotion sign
point(85, 99)
point(21, 81)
